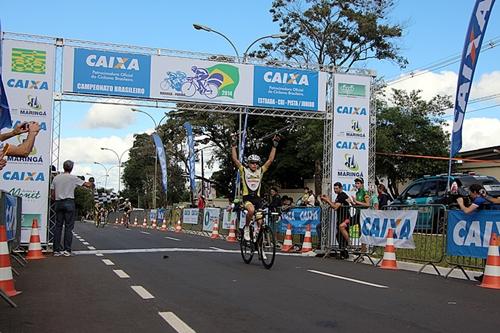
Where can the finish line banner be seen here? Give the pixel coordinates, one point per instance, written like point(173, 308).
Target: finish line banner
point(375, 225)
point(469, 234)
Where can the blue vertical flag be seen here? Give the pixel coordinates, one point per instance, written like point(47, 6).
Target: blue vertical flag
point(5, 119)
point(470, 54)
point(162, 157)
point(191, 157)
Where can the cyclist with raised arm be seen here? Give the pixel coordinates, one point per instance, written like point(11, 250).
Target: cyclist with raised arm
point(251, 181)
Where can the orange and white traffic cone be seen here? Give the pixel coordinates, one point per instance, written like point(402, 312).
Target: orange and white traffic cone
point(35, 248)
point(153, 225)
point(307, 244)
point(231, 238)
point(6, 280)
point(288, 244)
point(116, 221)
point(145, 223)
point(121, 220)
point(389, 260)
point(491, 277)
point(135, 222)
point(178, 227)
point(164, 226)
point(215, 230)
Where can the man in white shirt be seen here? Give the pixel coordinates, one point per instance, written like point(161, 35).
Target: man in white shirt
point(63, 192)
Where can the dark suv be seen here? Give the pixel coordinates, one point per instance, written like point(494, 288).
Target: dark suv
point(432, 190)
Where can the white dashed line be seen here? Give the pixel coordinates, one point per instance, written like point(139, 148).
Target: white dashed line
point(90, 247)
point(348, 279)
point(172, 238)
point(86, 243)
point(142, 292)
point(145, 232)
point(81, 240)
point(99, 254)
point(121, 274)
point(176, 322)
point(108, 262)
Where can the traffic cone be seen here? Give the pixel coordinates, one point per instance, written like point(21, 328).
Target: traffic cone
point(153, 224)
point(491, 278)
point(135, 222)
point(307, 244)
point(145, 223)
point(121, 221)
point(389, 260)
point(231, 238)
point(288, 244)
point(6, 280)
point(178, 227)
point(164, 226)
point(215, 230)
point(35, 248)
point(116, 221)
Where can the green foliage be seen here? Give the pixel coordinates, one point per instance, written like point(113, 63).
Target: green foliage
point(413, 126)
point(84, 200)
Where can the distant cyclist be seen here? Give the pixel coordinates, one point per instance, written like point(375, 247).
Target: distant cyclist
point(200, 75)
point(251, 180)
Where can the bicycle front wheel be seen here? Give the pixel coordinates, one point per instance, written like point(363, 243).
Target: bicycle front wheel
point(267, 247)
point(246, 250)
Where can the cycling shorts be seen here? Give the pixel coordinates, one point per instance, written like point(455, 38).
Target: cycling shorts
point(254, 200)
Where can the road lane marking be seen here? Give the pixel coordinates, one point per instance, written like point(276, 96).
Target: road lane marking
point(215, 248)
point(176, 322)
point(82, 240)
point(86, 243)
point(172, 238)
point(348, 279)
point(121, 274)
point(108, 262)
point(145, 232)
point(99, 254)
point(142, 292)
point(175, 249)
point(90, 247)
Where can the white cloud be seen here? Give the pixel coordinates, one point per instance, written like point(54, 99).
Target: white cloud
point(445, 83)
point(108, 116)
point(478, 133)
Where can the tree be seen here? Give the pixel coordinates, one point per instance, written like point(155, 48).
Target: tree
point(339, 33)
point(84, 200)
point(410, 125)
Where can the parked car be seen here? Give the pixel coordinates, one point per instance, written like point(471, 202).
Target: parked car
point(431, 190)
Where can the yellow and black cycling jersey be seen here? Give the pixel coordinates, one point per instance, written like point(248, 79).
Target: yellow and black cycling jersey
point(251, 180)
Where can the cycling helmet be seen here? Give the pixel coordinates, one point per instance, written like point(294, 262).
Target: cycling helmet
point(194, 68)
point(253, 158)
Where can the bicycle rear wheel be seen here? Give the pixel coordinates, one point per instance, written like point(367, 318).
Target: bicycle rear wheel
point(246, 249)
point(267, 247)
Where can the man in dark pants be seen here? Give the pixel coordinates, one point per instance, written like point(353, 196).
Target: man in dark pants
point(63, 192)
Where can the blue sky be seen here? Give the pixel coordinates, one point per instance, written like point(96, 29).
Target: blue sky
point(433, 30)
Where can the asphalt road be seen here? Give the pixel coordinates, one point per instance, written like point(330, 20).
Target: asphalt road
point(138, 280)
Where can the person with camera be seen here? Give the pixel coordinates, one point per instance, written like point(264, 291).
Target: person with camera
point(476, 195)
point(23, 149)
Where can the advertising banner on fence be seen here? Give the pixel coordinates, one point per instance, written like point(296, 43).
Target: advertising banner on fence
point(299, 218)
point(153, 214)
point(190, 215)
point(376, 223)
point(201, 81)
point(109, 73)
point(469, 235)
point(210, 215)
point(289, 88)
point(28, 71)
point(228, 218)
point(10, 217)
point(351, 127)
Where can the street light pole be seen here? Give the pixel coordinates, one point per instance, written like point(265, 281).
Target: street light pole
point(119, 157)
point(106, 175)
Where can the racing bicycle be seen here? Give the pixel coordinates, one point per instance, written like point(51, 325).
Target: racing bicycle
point(261, 241)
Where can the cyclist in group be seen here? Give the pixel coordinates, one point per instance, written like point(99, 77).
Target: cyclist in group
point(251, 181)
point(200, 75)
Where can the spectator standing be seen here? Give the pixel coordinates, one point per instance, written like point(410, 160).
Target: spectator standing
point(63, 192)
point(304, 197)
point(274, 200)
point(311, 199)
point(374, 203)
point(201, 202)
point(383, 197)
point(341, 205)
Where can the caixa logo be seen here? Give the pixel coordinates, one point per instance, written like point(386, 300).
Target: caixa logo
point(352, 110)
point(28, 84)
point(43, 125)
point(286, 78)
point(112, 62)
point(350, 145)
point(25, 176)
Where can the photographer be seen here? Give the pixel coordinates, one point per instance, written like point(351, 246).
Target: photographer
point(477, 198)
